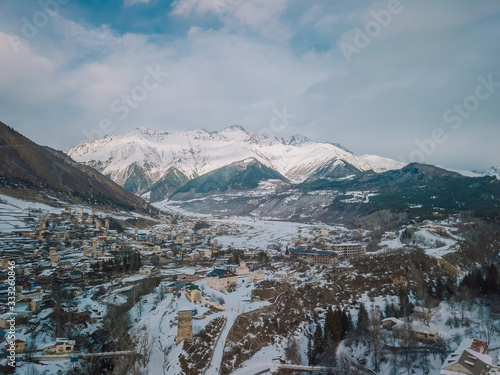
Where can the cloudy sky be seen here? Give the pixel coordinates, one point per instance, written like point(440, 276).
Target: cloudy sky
point(415, 80)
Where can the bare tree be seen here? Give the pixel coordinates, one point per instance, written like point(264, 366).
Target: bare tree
point(375, 336)
point(144, 348)
point(292, 351)
point(408, 347)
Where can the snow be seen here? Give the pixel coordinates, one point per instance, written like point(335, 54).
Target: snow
point(157, 321)
point(198, 152)
point(358, 196)
point(261, 233)
point(260, 361)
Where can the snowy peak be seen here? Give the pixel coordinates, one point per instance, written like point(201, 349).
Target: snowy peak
point(294, 140)
point(142, 157)
point(143, 131)
point(493, 171)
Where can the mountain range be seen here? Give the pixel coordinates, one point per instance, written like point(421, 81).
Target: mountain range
point(235, 172)
point(157, 164)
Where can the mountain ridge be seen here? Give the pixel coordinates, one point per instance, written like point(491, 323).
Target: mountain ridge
point(197, 152)
point(26, 164)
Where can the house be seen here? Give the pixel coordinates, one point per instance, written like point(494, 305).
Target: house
point(31, 294)
point(75, 275)
point(60, 346)
point(193, 292)
point(35, 305)
point(45, 278)
point(470, 358)
point(20, 315)
point(220, 279)
point(349, 249)
point(169, 288)
point(189, 276)
point(18, 346)
point(231, 267)
point(259, 275)
point(242, 269)
point(222, 261)
point(320, 257)
point(418, 330)
point(147, 270)
point(422, 312)
point(4, 320)
point(390, 322)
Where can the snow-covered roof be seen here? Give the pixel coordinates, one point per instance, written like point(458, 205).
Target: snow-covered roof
point(417, 326)
point(468, 357)
point(392, 319)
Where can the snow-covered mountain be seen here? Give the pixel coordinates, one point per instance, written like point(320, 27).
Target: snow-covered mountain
point(142, 157)
point(493, 171)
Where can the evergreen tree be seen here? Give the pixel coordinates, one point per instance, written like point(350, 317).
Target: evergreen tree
point(363, 320)
point(318, 343)
point(440, 289)
point(391, 311)
point(310, 357)
point(405, 307)
point(329, 325)
point(337, 323)
point(491, 280)
point(479, 287)
point(346, 324)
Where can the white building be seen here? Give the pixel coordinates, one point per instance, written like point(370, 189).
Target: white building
point(147, 270)
point(220, 279)
point(242, 269)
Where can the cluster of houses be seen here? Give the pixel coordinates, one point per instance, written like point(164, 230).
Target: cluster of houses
point(73, 243)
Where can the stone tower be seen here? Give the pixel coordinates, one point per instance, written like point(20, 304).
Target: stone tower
point(5, 263)
point(184, 325)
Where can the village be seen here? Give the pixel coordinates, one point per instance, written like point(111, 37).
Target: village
point(185, 277)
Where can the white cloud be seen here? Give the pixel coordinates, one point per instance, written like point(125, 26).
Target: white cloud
point(261, 16)
point(326, 22)
point(217, 78)
point(394, 91)
point(312, 15)
point(198, 7)
point(128, 3)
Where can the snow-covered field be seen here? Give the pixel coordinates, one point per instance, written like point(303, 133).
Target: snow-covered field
point(158, 324)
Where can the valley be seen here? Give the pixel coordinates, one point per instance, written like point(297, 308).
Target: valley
point(245, 270)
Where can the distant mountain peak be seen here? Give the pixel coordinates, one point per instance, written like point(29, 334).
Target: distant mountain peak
point(149, 132)
point(294, 140)
point(493, 171)
point(341, 147)
point(235, 127)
